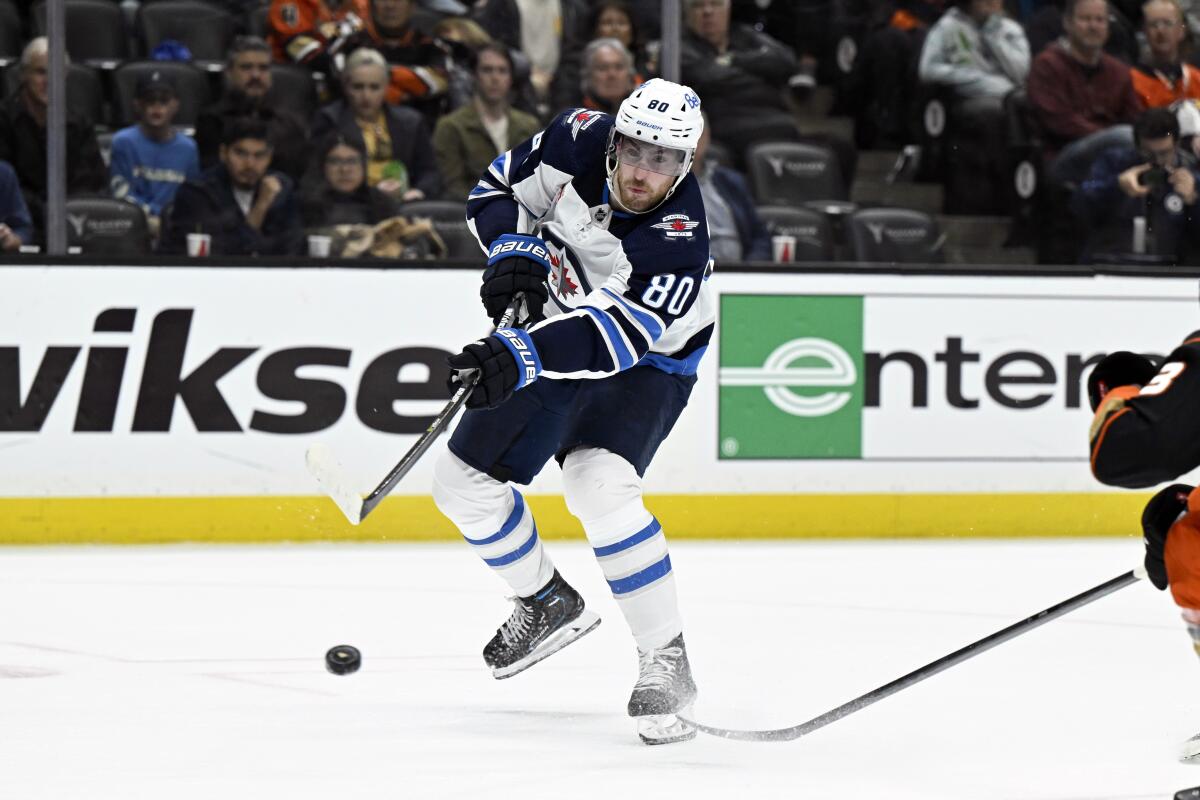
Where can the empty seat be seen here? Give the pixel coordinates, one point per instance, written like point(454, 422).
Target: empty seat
point(788, 173)
point(10, 33)
point(104, 226)
point(85, 90)
point(450, 221)
point(813, 232)
point(206, 30)
point(895, 236)
point(293, 89)
point(95, 31)
point(190, 83)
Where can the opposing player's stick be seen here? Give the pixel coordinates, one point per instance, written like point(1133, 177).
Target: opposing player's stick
point(332, 476)
point(931, 669)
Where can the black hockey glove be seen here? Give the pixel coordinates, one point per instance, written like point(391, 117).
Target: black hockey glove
point(516, 264)
point(1159, 515)
point(1118, 369)
point(506, 361)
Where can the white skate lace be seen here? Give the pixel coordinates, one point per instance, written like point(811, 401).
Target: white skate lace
point(515, 628)
point(657, 668)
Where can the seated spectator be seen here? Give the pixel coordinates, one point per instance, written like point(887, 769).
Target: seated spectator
point(466, 141)
point(247, 81)
point(400, 160)
point(418, 66)
point(1082, 98)
point(735, 231)
point(151, 160)
point(551, 33)
point(23, 138)
point(340, 194)
point(463, 38)
point(246, 209)
point(309, 32)
point(614, 19)
point(804, 25)
point(16, 226)
point(1164, 78)
point(1044, 27)
point(740, 73)
point(1155, 181)
point(608, 75)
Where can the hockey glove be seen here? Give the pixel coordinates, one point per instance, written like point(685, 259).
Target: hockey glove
point(1163, 510)
point(516, 264)
point(506, 361)
point(1118, 369)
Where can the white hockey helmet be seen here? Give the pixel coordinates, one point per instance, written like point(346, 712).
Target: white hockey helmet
point(661, 123)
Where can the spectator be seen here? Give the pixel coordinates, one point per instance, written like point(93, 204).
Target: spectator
point(400, 160)
point(466, 141)
point(804, 25)
point(16, 226)
point(1164, 78)
point(1044, 27)
point(247, 81)
point(551, 33)
point(23, 138)
point(309, 32)
point(978, 52)
point(463, 38)
point(246, 209)
point(735, 231)
point(608, 75)
point(341, 195)
point(740, 74)
point(418, 66)
point(614, 19)
point(1156, 181)
point(1082, 97)
point(151, 160)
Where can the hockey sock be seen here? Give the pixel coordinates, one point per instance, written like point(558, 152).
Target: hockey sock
point(605, 493)
point(495, 521)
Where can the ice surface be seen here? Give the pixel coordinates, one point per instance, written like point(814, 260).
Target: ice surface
point(198, 672)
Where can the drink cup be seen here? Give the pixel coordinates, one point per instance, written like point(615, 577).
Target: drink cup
point(199, 244)
point(1139, 234)
point(783, 248)
point(318, 246)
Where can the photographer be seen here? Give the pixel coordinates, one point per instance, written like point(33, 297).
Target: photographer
point(1141, 200)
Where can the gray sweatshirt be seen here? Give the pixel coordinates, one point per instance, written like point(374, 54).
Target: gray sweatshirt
point(977, 61)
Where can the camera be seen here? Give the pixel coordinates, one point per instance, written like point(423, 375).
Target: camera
point(1154, 179)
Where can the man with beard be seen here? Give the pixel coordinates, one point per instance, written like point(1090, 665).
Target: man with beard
point(246, 209)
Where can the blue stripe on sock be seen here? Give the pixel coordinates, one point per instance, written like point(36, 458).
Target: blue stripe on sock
point(639, 537)
point(515, 555)
point(639, 579)
point(509, 524)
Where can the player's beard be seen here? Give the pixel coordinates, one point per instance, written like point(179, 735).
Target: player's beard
point(640, 202)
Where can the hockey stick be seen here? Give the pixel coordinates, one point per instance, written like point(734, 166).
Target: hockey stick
point(331, 476)
point(931, 669)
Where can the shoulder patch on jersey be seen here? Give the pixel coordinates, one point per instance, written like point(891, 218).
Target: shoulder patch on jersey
point(581, 119)
point(290, 14)
point(676, 226)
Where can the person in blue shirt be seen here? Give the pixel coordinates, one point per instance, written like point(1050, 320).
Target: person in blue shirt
point(151, 160)
point(16, 226)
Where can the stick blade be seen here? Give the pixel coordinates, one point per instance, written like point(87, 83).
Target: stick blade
point(331, 477)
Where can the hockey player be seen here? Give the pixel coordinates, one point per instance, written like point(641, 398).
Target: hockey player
point(1146, 431)
point(599, 224)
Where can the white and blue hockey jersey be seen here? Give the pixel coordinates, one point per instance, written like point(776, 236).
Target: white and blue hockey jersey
point(625, 289)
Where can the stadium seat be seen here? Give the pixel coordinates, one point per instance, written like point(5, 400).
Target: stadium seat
point(789, 173)
point(813, 232)
point(257, 20)
point(10, 33)
point(450, 221)
point(206, 30)
point(104, 226)
point(895, 236)
point(85, 90)
point(95, 31)
point(292, 88)
point(190, 82)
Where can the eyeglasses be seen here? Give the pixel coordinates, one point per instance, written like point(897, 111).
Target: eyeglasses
point(343, 162)
point(1155, 24)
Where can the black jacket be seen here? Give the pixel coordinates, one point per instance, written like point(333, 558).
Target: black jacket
point(289, 137)
point(321, 206)
point(410, 140)
point(23, 144)
point(208, 206)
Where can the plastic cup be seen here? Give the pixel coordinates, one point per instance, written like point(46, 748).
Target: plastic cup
point(318, 246)
point(199, 244)
point(783, 248)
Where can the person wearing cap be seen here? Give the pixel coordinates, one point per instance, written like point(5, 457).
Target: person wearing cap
point(150, 160)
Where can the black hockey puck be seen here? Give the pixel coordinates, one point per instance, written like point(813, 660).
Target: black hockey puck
point(343, 659)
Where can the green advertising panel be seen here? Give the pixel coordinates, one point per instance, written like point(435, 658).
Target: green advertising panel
point(790, 376)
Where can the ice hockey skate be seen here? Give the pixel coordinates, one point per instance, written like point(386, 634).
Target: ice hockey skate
point(664, 689)
point(540, 626)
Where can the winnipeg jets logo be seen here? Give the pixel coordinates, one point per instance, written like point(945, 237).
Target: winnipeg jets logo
point(560, 276)
point(581, 120)
point(676, 226)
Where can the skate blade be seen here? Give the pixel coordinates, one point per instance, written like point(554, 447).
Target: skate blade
point(666, 728)
point(1190, 752)
point(577, 628)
